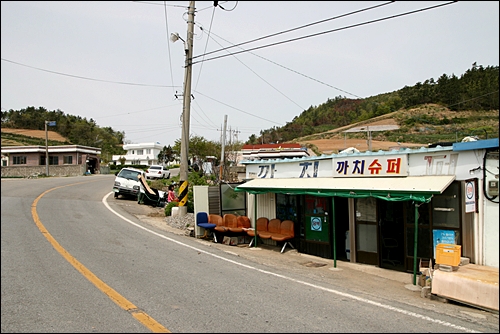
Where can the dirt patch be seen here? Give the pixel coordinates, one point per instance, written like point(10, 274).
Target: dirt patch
point(334, 145)
point(312, 264)
point(52, 135)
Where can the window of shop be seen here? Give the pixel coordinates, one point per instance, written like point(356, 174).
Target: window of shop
point(286, 207)
point(68, 159)
point(438, 222)
point(231, 201)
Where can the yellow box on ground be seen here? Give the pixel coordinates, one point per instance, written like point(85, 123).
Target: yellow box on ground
point(448, 254)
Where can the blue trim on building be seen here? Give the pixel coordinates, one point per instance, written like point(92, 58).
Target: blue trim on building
point(476, 145)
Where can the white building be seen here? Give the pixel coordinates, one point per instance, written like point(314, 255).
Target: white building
point(139, 154)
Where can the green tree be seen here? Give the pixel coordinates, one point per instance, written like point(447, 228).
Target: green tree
point(167, 154)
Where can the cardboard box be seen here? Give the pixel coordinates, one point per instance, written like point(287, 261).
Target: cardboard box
point(421, 280)
point(424, 265)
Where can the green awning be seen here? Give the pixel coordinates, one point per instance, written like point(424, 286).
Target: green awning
point(411, 188)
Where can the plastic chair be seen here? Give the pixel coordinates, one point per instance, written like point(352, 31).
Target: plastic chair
point(230, 221)
point(219, 224)
point(272, 228)
point(202, 221)
point(260, 226)
point(287, 233)
point(243, 222)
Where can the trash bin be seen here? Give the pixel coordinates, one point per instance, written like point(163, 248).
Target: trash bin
point(347, 245)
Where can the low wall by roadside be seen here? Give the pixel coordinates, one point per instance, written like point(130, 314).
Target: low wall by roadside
point(105, 170)
point(25, 171)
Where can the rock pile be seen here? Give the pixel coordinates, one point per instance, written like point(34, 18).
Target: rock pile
point(181, 222)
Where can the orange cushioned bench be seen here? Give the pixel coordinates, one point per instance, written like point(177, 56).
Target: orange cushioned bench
point(285, 234)
point(261, 226)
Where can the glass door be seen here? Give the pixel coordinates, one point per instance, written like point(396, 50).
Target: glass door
point(366, 231)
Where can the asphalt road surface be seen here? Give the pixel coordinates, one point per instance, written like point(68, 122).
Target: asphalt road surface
point(74, 259)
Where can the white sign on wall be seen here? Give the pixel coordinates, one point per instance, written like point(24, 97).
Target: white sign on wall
point(360, 166)
point(470, 196)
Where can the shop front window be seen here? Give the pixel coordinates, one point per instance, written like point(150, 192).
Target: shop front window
point(446, 208)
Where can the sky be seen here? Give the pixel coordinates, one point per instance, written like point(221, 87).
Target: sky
point(256, 64)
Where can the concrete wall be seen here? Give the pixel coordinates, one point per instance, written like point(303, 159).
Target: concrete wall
point(25, 171)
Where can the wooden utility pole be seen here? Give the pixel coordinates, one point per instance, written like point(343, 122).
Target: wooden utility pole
point(221, 168)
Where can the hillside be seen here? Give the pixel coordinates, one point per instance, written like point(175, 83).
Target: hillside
point(418, 127)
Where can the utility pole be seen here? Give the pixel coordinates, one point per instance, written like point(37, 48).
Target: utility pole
point(369, 138)
point(49, 123)
point(46, 150)
point(221, 168)
point(183, 173)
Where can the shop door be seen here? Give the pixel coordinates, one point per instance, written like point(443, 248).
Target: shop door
point(391, 234)
point(315, 228)
point(366, 231)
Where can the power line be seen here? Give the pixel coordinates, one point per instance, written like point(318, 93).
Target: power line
point(86, 78)
point(324, 32)
point(276, 89)
point(227, 105)
point(206, 45)
point(289, 69)
point(168, 45)
point(297, 28)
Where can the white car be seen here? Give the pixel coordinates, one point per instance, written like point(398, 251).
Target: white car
point(157, 172)
point(127, 183)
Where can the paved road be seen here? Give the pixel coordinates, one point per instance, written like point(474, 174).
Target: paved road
point(74, 259)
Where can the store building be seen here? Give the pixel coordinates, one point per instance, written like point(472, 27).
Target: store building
point(362, 207)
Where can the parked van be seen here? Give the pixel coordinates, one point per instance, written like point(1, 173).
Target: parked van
point(127, 183)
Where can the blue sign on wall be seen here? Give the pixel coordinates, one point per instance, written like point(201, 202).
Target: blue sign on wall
point(442, 237)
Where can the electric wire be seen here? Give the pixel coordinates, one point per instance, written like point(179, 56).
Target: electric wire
point(206, 45)
point(291, 70)
point(87, 78)
point(267, 82)
point(168, 46)
point(297, 28)
point(323, 32)
point(227, 105)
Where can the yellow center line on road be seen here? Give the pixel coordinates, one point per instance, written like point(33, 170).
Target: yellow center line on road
point(121, 301)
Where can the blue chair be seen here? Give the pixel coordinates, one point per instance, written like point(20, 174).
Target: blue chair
point(202, 221)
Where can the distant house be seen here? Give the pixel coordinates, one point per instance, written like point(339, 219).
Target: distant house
point(64, 160)
point(139, 154)
point(273, 151)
